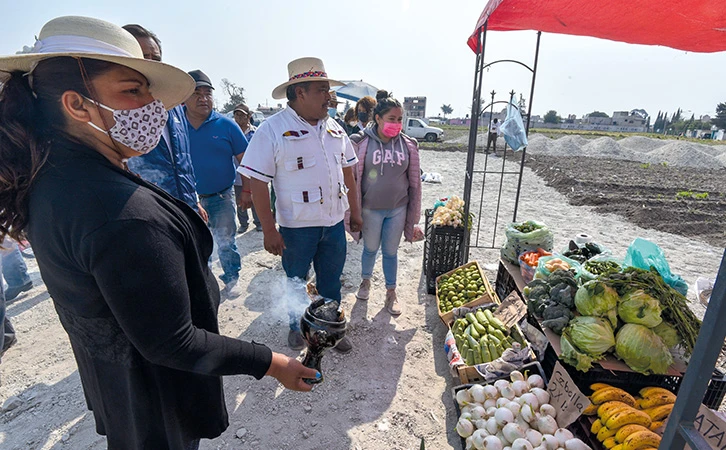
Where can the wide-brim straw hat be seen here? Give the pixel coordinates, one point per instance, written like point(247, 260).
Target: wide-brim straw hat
point(303, 70)
point(86, 37)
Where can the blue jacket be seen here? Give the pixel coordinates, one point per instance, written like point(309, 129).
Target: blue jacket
point(171, 170)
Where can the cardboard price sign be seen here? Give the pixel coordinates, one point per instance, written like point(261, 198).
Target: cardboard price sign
point(712, 427)
point(565, 396)
point(512, 310)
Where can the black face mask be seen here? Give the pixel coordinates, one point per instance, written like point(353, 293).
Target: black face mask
point(363, 117)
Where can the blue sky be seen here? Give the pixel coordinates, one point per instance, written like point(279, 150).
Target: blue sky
point(409, 47)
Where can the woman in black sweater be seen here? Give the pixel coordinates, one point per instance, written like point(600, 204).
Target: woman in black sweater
point(125, 263)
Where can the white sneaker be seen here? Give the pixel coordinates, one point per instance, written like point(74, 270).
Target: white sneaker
point(233, 289)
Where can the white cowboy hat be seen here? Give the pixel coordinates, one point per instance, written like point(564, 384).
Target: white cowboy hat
point(302, 70)
point(90, 38)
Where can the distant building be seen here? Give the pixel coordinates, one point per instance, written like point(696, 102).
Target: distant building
point(625, 119)
point(705, 118)
point(267, 111)
point(414, 107)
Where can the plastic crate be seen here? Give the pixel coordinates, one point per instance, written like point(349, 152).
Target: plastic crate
point(443, 251)
point(505, 283)
point(632, 382)
point(488, 297)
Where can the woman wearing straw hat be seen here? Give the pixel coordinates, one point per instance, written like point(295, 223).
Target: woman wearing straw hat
point(125, 263)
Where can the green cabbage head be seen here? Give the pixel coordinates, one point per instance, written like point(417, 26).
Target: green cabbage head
point(592, 335)
point(640, 308)
point(597, 299)
point(668, 334)
point(572, 356)
point(642, 349)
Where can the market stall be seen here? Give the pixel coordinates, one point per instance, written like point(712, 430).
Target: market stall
point(693, 26)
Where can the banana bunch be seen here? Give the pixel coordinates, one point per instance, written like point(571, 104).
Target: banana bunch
point(626, 422)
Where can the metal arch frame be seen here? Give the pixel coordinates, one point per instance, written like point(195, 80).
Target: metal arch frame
point(479, 68)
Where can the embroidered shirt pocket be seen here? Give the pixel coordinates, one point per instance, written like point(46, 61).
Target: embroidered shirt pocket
point(307, 204)
point(300, 163)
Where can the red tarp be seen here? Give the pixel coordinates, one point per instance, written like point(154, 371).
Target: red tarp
point(691, 25)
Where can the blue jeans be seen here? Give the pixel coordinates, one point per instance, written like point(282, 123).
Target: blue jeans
point(13, 267)
point(6, 328)
point(242, 217)
point(325, 248)
point(382, 228)
point(220, 208)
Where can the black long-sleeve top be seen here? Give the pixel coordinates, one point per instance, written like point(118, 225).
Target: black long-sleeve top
point(126, 266)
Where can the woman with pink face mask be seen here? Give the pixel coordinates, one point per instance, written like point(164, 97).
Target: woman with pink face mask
point(389, 184)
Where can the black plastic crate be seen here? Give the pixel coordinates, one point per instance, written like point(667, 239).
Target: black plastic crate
point(505, 284)
point(633, 382)
point(444, 251)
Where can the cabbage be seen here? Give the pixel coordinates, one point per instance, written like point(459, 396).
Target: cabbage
point(592, 335)
point(572, 356)
point(597, 299)
point(642, 349)
point(639, 307)
point(668, 334)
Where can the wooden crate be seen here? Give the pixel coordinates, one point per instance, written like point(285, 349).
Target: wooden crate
point(489, 297)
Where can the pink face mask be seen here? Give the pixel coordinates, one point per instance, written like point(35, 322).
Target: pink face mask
point(391, 129)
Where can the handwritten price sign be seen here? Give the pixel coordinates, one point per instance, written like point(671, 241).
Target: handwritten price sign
point(511, 310)
point(565, 396)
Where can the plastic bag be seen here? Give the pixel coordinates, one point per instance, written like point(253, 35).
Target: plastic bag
point(543, 273)
point(585, 275)
point(644, 254)
point(518, 242)
point(513, 129)
point(525, 268)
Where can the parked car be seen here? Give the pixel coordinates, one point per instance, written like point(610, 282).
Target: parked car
point(417, 128)
point(257, 118)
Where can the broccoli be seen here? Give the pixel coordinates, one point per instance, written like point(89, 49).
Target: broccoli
point(562, 294)
point(563, 276)
point(555, 311)
point(557, 325)
point(538, 292)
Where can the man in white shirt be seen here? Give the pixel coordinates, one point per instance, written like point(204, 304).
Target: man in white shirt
point(493, 134)
point(309, 160)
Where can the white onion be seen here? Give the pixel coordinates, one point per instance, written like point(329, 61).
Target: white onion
point(502, 401)
point(520, 387)
point(465, 428)
point(492, 443)
point(478, 439)
point(549, 442)
point(563, 435)
point(548, 410)
point(491, 392)
point(576, 444)
point(508, 393)
point(491, 411)
point(533, 436)
point(530, 399)
point(501, 384)
point(519, 420)
point(480, 424)
point(527, 413)
point(514, 407)
point(463, 398)
point(547, 425)
point(503, 416)
point(516, 375)
point(477, 393)
point(522, 444)
point(535, 381)
point(542, 395)
point(492, 426)
point(512, 432)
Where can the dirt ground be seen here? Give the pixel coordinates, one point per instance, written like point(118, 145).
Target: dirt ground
point(685, 201)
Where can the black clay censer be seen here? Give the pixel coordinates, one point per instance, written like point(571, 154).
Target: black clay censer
point(322, 325)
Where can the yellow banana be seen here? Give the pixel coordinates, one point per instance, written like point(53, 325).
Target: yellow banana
point(596, 425)
point(655, 425)
point(627, 430)
point(659, 413)
point(650, 391)
point(641, 439)
point(609, 443)
point(598, 386)
point(612, 394)
point(617, 447)
point(625, 417)
point(608, 412)
point(605, 433)
point(657, 400)
point(591, 410)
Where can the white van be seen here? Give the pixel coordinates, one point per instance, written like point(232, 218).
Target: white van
point(417, 128)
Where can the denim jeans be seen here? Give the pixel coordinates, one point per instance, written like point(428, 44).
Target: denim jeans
point(324, 248)
point(220, 208)
point(382, 228)
point(242, 217)
point(6, 328)
point(13, 267)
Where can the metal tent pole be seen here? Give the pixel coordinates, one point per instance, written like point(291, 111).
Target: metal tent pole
point(473, 130)
point(680, 429)
point(529, 115)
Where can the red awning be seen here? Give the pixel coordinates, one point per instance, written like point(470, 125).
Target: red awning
point(691, 25)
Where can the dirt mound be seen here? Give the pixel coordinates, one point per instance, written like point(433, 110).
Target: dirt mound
point(688, 154)
point(641, 143)
point(607, 148)
point(538, 144)
point(713, 150)
point(567, 146)
point(722, 158)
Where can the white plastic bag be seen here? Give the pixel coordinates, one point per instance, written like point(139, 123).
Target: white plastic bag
point(513, 128)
